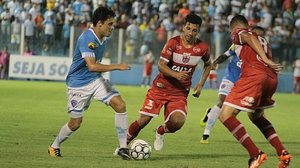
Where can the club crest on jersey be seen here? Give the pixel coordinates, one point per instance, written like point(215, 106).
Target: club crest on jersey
point(196, 49)
point(92, 45)
point(186, 59)
point(74, 103)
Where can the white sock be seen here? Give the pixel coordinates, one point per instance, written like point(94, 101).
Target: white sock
point(63, 134)
point(121, 124)
point(213, 115)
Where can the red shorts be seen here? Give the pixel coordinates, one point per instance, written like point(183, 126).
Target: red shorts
point(252, 92)
point(212, 76)
point(155, 100)
point(296, 79)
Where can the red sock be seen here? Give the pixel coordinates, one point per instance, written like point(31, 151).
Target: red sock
point(239, 132)
point(133, 131)
point(269, 132)
point(162, 130)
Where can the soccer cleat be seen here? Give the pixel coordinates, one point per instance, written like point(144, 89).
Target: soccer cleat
point(124, 153)
point(116, 151)
point(159, 141)
point(204, 118)
point(257, 161)
point(54, 152)
point(284, 159)
point(204, 139)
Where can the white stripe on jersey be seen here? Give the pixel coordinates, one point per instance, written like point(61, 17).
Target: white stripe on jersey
point(87, 54)
point(193, 60)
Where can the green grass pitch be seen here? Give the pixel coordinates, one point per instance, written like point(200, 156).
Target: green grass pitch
point(32, 113)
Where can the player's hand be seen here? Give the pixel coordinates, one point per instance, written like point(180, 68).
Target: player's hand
point(124, 66)
point(182, 75)
point(197, 90)
point(275, 66)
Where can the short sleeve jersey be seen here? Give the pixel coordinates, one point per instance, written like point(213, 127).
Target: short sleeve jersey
point(88, 45)
point(233, 68)
point(180, 58)
point(251, 62)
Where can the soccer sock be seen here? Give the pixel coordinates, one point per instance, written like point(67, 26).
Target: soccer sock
point(133, 131)
point(121, 124)
point(269, 132)
point(213, 115)
point(63, 134)
point(238, 131)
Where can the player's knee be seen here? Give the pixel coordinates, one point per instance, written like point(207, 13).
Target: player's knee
point(74, 124)
point(120, 107)
point(174, 126)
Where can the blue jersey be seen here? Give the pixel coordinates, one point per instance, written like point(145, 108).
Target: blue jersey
point(88, 45)
point(233, 69)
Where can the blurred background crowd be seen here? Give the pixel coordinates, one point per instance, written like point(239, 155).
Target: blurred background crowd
point(44, 27)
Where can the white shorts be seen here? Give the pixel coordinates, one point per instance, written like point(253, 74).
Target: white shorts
point(79, 99)
point(225, 87)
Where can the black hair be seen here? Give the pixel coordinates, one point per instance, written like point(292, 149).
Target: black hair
point(259, 28)
point(102, 14)
point(238, 19)
point(194, 19)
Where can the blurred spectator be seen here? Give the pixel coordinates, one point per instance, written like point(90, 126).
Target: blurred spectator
point(28, 52)
point(297, 75)
point(122, 22)
point(49, 25)
point(39, 27)
point(4, 63)
point(133, 36)
point(29, 31)
point(66, 33)
point(16, 31)
point(5, 24)
point(46, 51)
point(148, 65)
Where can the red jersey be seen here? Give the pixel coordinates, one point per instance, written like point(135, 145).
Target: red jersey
point(179, 59)
point(252, 63)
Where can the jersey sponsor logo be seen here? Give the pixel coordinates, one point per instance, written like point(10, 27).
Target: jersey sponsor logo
point(196, 49)
point(247, 101)
point(223, 86)
point(92, 45)
point(239, 63)
point(180, 68)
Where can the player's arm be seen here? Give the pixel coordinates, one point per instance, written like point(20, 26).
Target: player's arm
point(97, 67)
point(163, 68)
point(207, 67)
point(253, 42)
point(221, 59)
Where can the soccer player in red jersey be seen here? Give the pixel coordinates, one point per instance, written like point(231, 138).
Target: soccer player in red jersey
point(170, 88)
point(253, 92)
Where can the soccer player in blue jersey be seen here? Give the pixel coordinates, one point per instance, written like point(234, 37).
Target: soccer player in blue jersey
point(85, 81)
point(232, 74)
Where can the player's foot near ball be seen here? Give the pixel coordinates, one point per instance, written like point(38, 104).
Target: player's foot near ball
point(124, 153)
point(159, 141)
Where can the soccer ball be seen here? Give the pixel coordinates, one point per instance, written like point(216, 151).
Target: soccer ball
point(140, 150)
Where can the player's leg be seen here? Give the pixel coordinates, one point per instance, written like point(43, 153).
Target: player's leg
point(121, 125)
point(229, 120)
point(212, 118)
point(78, 101)
point(136, 126)
point(267, 129)
point(175, 115)
point(214, 114)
